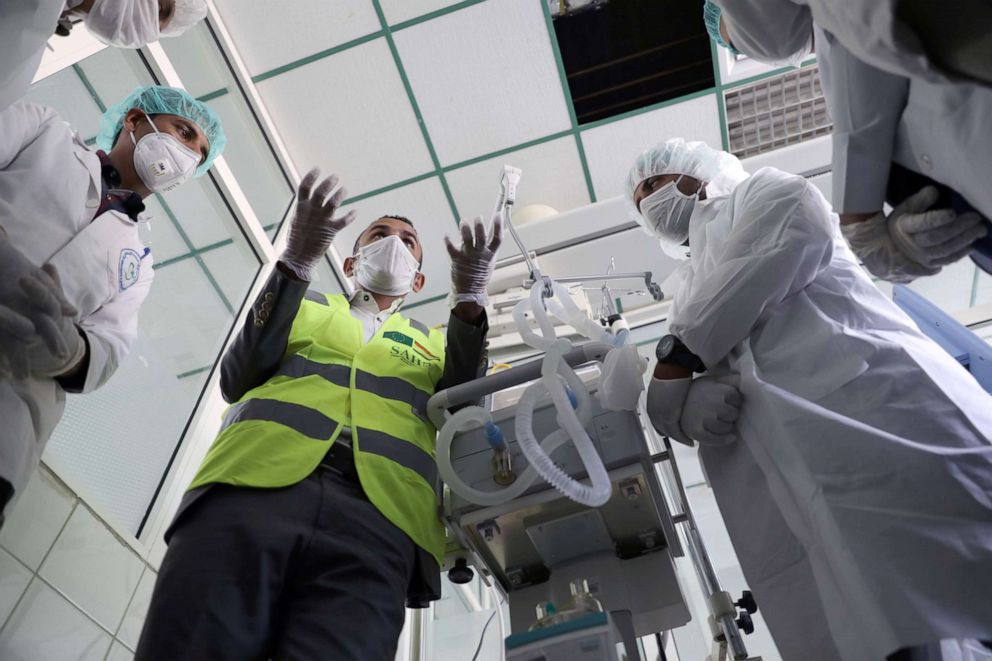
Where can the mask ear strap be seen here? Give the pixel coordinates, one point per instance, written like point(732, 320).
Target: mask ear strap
point(150, 122)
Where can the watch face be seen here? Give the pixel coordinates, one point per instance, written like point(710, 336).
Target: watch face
point(665, 347)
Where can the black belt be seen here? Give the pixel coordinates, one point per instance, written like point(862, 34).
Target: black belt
point(341, 460)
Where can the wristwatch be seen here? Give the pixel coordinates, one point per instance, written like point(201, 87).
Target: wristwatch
point(671, 350)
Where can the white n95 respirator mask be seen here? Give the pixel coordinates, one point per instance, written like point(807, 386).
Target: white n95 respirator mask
point(163, 163)
point(668, 210)
point(386, 267)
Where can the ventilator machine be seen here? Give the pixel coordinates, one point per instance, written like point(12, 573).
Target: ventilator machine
point(554, 495)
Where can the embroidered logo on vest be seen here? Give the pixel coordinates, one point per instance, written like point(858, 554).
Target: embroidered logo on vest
point(128, 269)
point(415, 355)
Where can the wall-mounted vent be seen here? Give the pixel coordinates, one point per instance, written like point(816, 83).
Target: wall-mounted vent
point(775, 112)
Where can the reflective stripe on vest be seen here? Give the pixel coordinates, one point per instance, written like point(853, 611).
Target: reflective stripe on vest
point(298, 366)
point(404, 453)
point(391, 387)
point(297, 417)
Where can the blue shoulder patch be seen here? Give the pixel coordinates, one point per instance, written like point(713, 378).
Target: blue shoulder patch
point(128, 269)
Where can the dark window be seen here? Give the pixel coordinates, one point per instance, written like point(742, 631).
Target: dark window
point(621, 55)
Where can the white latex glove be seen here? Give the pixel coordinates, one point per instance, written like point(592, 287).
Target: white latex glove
point(666, 398)
point(621, 379)
point(472, 263)
point(933, 238)
point(47, 299)
point(314, 226)
point(913, 241)
point(21, 319)
point(710, 412)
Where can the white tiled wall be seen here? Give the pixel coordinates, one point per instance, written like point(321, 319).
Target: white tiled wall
point(70, 588)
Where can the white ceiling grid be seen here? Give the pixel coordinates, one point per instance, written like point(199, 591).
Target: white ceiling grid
point(349, 114)
point(611, 148)
point(485, 78)
point(273, 34)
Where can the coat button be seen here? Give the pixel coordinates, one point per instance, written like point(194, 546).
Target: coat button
point(259, 323)
point(263, 314)
point(269, 296)
point(927, 163)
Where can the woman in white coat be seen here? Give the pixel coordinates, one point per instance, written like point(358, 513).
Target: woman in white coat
point(858, 495)
point(27, 25)
point(74, 270)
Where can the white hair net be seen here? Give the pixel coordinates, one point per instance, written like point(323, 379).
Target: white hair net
point(187, 14)
point(721, 171)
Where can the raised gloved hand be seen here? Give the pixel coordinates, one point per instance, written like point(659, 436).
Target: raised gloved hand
point(710, 412)
point(472, 263)
point(665, 401)
point(913, 241)
point(52, 319)
point(22, 321)
point(314, 226)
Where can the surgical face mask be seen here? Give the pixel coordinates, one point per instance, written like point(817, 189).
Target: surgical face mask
point(386, 267)
point(124, 23)
point(162, 162)
point(668, 210)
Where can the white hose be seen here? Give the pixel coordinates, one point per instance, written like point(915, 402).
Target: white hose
point(601, 490)
point(478, 415)
point(554, 371)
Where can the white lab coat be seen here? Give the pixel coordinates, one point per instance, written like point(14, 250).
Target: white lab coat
point(871, 29)
point(25, 28)
point(861, 488)
point(50, 187)
point(938, 130)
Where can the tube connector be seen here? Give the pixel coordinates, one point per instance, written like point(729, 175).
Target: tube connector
point(503, 473)
point(494, 435)
point(508, 182)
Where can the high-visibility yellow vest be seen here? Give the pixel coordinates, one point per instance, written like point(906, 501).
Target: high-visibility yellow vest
point(330, 379)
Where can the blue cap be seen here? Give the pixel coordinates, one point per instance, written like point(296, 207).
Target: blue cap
point(158, 100)
point(711, 16)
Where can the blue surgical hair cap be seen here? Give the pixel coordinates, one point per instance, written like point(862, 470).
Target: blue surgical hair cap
point(711, 16)
point(159, 100)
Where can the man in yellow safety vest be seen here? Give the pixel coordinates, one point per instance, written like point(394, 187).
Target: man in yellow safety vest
point(314, 516)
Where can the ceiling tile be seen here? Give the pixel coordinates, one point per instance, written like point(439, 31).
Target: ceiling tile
point(611, 148)
point(552, 175)
point(268, 36)
point(349, 114)
point(485, 78)
point(397, 11)
point(425, 204)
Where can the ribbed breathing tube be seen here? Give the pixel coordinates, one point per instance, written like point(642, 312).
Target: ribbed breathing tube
point(571, 400)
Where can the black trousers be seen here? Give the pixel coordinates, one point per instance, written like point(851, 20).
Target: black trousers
point(310, 571)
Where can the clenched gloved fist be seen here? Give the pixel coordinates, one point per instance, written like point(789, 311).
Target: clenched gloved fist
point(314, 225)
point(710, 412)
point(472, 263)
point(665, 401)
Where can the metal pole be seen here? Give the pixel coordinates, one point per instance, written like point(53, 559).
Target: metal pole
point(697, 553)
point(418, 635)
